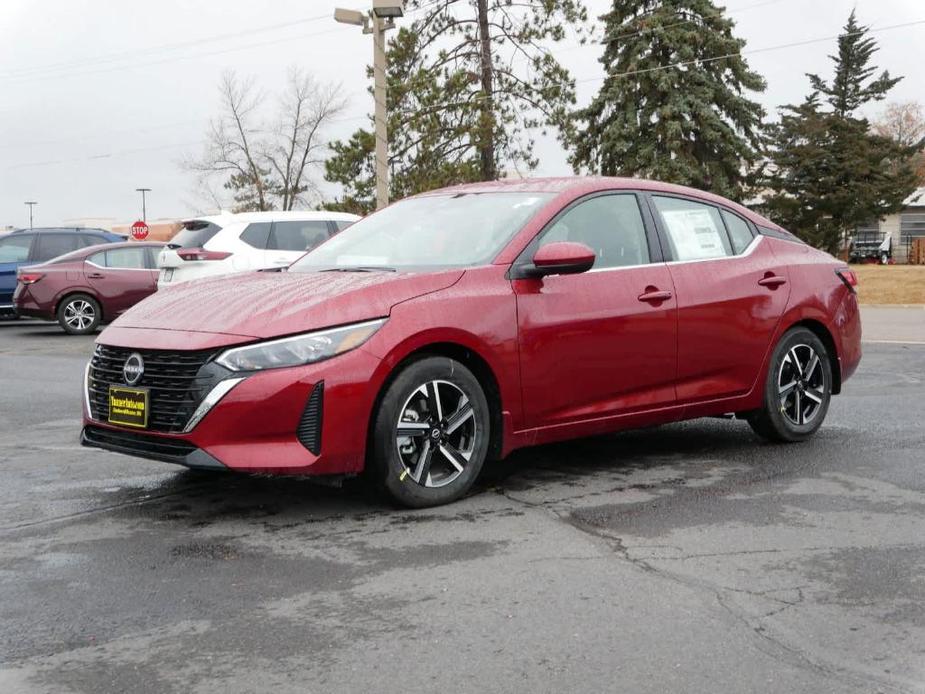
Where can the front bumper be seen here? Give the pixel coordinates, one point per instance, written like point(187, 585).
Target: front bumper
point(255, 427)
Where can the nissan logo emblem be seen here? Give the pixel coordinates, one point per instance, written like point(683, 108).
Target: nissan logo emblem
point(133, 369)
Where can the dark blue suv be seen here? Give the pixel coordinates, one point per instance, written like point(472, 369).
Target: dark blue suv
point(30, 246)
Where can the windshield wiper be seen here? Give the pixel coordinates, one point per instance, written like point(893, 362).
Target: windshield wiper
point(359, 268)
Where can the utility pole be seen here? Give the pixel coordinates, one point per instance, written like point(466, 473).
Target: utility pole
point(31, 204)
point(144, 210)
point(380, 19)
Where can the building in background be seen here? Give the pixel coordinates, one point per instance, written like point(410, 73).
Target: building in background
point(158, 229)
point(903, 227)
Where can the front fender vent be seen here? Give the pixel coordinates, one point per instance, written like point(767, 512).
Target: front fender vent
point(309, 431)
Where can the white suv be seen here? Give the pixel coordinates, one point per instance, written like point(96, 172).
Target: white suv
point(226, 243)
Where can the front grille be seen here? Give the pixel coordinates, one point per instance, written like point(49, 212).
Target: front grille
point(176, 383)
point(309, 431)
point(173, 450)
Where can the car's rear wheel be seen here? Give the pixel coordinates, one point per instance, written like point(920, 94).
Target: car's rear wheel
point(431, 433)
point(798, 389)
point(79, 314)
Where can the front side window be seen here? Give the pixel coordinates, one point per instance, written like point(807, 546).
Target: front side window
point(15, 249)
point(739, 232)
point(429, 232)
point(695, 230)
point(610, 225)
point(126, 258)
point(298, 236)
point(51, 246)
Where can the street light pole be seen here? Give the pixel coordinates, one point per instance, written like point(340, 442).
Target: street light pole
point(31, 204)
point(144, 210)
point(377, 22)
point(380, 94)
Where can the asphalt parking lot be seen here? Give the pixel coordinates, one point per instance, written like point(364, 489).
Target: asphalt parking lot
point(688, 558)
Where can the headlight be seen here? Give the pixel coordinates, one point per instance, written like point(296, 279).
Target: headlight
point(298, 350)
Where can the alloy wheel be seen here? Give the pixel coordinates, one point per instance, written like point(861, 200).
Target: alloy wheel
point(79, 314)
point(436, 433)
point(801, 385)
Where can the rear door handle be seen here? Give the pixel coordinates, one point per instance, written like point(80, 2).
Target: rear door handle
point(774, 281)
point(654, 296)
point(96, 276)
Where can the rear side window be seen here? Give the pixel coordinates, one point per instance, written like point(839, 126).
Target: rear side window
point(740, 233)
point(695, 230)
point(15, 249)
point(127, 258)
point(50, 246)
point(342, 224)
point(195, 233)
point(153, 252)
point(298, 236)
point(257, 234)
point(90, 240)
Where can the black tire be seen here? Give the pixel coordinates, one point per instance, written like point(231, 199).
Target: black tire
point(79, 314)
point(796, 399)
point(398, 466)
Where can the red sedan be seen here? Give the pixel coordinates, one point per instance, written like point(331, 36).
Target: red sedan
point(88, 287)
point(456, 326)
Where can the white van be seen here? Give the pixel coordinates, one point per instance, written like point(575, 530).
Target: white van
point(226, 243)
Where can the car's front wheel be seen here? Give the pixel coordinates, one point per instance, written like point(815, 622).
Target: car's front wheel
point(79, 314)
point(431, 433)
point(798, 389)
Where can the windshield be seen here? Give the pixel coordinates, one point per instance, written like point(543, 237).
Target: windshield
point(431, 232)
point(194, 234)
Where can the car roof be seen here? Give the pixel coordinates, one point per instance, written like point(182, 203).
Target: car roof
point(581, 185)
point(278, 216)
point(46, 230)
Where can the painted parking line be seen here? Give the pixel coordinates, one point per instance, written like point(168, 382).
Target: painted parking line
point(893, 342)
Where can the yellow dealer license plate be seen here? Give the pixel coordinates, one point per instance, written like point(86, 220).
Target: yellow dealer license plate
point(128, 406)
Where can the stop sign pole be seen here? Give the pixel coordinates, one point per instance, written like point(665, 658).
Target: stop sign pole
point(144, 211)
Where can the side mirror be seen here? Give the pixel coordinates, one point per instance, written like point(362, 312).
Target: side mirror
point(562, 258)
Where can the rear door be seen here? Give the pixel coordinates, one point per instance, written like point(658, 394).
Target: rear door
point(604, 342)
point(289, 240)
point(14, 252)
point(731, 293)
point(51, 245)
point(120, 277)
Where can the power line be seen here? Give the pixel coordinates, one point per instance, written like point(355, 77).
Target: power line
point(629, 73)
point(38, 69)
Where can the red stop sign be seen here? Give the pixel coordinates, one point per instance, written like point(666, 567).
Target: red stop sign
point(139, 230)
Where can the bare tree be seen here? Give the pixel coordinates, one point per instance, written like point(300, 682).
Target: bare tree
point(904, 122)
point(264, 166)
point(297, 146)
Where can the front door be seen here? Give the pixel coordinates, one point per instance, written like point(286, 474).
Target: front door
point(731, 294)
point(604, 342)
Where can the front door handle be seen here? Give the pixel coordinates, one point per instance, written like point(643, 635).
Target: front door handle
point(653, 295)
point(772, 282)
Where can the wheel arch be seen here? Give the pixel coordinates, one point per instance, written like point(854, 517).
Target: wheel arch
point(68, 293)
point(820, 330)
point(471, 359)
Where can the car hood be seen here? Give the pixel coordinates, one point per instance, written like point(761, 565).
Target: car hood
point(270, 304)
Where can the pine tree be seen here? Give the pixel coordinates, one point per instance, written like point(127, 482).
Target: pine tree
point(467, 81)
point(828, 172)
point(673, 104)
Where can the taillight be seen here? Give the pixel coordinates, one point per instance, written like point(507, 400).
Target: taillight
point(849, 279)
point(201, 254)
point(29, 277)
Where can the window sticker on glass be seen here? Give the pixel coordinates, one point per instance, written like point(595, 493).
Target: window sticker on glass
point(694, 234)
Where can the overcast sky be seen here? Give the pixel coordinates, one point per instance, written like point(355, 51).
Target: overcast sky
point(100, 97)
